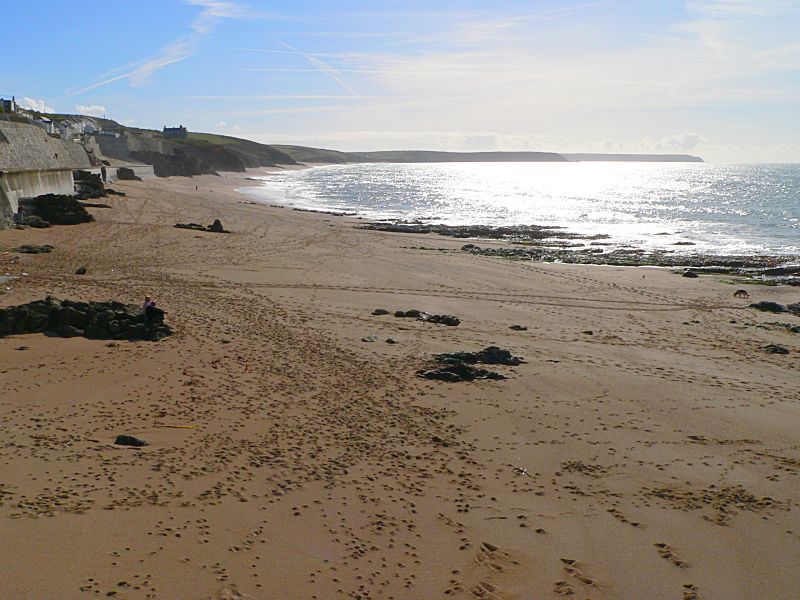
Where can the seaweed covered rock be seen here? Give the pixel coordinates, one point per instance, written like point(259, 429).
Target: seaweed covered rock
point(94, 320)
point(56, 209)
point(88, 185)
point(490, 356)
point(456, 372)
point(127, 174)
point(768, 306)
point(215, 227)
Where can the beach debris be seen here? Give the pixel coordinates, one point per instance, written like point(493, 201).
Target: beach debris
point(80, 271)
point(775, 349)
point(767, 306)
point(522, 471)
point(457, 372)
point(379, 312)
point(518, 328)
point(690, 274)
point(450, 320)
point(215, 227)
point(93, 320)
point(33, 249)
point(129, 440)
point(491, 355)
point(56, 209)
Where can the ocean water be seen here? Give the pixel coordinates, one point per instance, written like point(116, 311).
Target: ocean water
point(724, 209)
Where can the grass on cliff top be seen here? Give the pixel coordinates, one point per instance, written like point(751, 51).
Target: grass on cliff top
point(212, 138)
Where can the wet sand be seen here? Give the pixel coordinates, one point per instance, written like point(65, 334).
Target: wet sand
point(647, 449)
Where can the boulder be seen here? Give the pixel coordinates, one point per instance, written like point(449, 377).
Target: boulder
point(380, 312)
point(216, 227)
point(126, 174)
point(691, 274)
point(56, 209)
point(129, 440)
point(794, 308)
point(449, 320)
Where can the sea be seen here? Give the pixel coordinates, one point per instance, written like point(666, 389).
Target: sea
point(681, 207)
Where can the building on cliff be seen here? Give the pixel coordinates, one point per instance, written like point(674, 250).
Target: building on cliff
point(33, 163)
point(176, 133)
point(8, 106)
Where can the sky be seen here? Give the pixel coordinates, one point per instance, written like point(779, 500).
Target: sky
point(715, 78)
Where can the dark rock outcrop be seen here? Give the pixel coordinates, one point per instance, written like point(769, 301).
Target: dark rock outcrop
point(380, 312)
point(215, 227)
point(457, 372)
point(88, 185)
point(129, 440)
point(80, 271)
point(419, 315)
point(33, 249)
point(775, 349)
point(127, 174)
point(458, 366)
point(56, 209)
point(767, 306)
point(690, 274)
point(94, 320)
point(34, 221)
point(489, 356)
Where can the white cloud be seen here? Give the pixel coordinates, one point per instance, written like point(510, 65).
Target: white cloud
point(37, 105)
point(737, 8)
point(93, 110)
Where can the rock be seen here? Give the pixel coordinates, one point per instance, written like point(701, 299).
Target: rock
point(33, 249)
point(450, 320)
point(490, 356)
point(691, 274)
point(380, 312)
point(775, 349)
point(56, 209)
point(391, 341)
point(413, 313)
point(80, 271)
point(94, 320)
point(457, 372)
point(588, 332)
point(95, 205)
point(215, 227)
point(35, 221)
point(129, 440)
point(794, 308)
point(370, 338)
point(399, 313)
point(111, 192)
point(518, 328)
point(88, 185)
point(127, 174)
point(767, 306)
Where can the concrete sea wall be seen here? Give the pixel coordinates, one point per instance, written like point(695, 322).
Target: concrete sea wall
point(33, 163)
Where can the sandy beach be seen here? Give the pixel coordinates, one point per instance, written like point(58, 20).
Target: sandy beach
point(647, 449)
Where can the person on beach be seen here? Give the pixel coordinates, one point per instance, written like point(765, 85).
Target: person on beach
point(147, 303)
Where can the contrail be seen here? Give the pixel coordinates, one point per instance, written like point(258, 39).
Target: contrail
point(322, 66)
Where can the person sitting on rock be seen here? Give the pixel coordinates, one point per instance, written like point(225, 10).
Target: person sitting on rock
point(153, 314)
point(147, 302)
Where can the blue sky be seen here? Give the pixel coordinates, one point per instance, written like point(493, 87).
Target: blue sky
point(718, 78)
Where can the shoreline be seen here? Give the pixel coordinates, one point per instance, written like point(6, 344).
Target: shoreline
point(646, 448)
point(559, 243)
